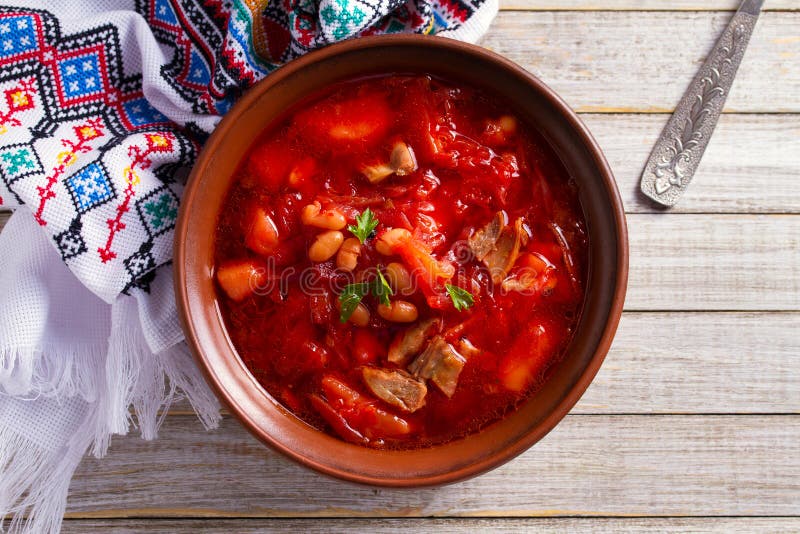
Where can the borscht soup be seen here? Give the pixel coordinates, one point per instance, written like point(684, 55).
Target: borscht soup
point(400, 260)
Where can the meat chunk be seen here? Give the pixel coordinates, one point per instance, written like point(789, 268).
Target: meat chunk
point(466, 348)
point(497, 245)
point(482, 242)
point(402, 159)
point(502, 258)
point(439, 363)
point(396, 387)
point(401, 162)
point(411, 342)
point(378, 172)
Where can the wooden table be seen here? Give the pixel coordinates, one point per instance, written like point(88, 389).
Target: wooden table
point(694, 419)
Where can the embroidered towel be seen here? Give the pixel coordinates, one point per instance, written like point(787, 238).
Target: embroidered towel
point(103, 107)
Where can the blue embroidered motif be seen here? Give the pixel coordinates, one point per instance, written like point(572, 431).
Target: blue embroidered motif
point(17, 36)
point(140, 112)
point(90, 187)
point(80, 76)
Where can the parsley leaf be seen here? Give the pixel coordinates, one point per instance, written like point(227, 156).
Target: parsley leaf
point(381, 289)
point(462, 299)
point(350, 299)
point(365, 224)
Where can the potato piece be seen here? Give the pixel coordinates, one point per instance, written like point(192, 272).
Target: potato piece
point(359, 121)
point(519, 369)
point(262, 235)
point(240, 279)
point(302, 173)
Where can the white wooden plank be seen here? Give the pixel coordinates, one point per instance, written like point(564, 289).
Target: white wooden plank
point(714, 262)
point(639, 5)
point(699, 363)
point(756, 176)
point(643, 61)
point(589, 465)
point(576, 525)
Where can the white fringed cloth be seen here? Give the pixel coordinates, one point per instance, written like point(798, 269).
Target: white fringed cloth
point(104, 105)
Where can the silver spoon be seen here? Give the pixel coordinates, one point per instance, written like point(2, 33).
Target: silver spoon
point(677, 153)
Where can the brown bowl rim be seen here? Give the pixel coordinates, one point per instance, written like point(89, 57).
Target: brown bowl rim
point(545, 425)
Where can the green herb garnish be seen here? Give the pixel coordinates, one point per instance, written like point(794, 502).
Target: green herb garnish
point(381, 289)
point(350, 299)
point(365, 224)
point(462, 299)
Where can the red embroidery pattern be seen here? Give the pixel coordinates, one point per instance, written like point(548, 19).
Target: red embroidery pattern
point(156, 142)
point(18, 98)
point(91, 129)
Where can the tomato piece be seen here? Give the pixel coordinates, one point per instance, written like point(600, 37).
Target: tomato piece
point(302, 174)
point(378, 423)
point(314, 356)
point(289, 251)
point(262, 235)
point(354, 416)
point(367, 348)
point(339, 392)
point(240, 279)
point(269, 163)
point(498, 132)
point(337, 422)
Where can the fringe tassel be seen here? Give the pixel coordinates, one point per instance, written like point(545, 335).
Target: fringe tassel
point(38, 458)
point(58, 372)
point(169, 377)
point(78, 399)
point(150, 383)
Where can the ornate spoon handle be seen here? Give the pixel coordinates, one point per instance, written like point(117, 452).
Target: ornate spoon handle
point(677, 153)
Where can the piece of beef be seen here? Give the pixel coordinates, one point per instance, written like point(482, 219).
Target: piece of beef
point(396, 387)
point(411, 342)
point(439, 363)
point(482, 242)
point(497, 245)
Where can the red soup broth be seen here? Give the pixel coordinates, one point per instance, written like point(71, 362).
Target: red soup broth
point(471, 273)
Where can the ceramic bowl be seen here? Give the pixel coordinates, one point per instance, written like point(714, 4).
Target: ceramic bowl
point(213, 173)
